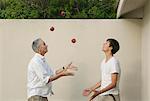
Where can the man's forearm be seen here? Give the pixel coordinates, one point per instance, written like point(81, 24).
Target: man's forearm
point(97, 85)
point(112, 85)
point(52, 78)
point(109, 87)
point(59, 70)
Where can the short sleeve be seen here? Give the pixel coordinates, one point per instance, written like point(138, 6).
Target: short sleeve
point(115, 68)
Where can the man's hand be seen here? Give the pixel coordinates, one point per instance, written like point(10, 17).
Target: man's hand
point(96, 93)
point(71, 67)
point(69, 70)
point(67, 73)
point(86, 92)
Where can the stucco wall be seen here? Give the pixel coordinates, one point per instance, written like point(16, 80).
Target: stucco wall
point(17, 36)
point(146, 53)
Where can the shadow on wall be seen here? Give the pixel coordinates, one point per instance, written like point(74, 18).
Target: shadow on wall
point(131, 91)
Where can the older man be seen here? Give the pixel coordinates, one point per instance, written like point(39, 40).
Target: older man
point(40, 75)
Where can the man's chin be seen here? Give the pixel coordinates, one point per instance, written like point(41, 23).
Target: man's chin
point(46, 51)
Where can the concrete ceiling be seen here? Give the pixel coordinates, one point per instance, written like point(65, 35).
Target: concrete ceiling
point(130, 8)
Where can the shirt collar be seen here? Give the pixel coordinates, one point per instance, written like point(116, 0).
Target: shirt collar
point(39, 56)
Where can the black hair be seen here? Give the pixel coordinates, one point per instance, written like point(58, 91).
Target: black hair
point(114, 44)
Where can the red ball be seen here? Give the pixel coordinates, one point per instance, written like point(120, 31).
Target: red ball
point(52, 28)
point(73, 40)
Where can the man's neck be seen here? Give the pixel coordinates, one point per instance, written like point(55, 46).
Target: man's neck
point(108, 56)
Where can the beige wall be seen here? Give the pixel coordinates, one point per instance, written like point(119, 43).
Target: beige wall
point(0, 66)
point(17, 36)
point(146, 53)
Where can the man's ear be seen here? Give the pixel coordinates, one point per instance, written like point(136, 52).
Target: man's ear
point(111, 47)
point(39, 49)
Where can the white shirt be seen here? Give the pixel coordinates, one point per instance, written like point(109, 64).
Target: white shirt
point(107, 68)
point(38, 75)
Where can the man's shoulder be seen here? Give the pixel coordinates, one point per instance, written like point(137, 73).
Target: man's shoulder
point(32, 62)
point(115, 60)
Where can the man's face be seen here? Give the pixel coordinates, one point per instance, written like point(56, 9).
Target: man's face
point(43, 47)
point(106, 46)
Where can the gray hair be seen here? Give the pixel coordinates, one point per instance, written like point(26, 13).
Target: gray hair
point(35, 44)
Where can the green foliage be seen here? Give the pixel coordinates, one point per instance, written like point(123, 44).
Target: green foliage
point(17, 9)
point(32, 9)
